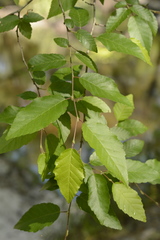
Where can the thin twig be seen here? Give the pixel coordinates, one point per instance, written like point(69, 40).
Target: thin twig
point(68, 221)
point(19, 10)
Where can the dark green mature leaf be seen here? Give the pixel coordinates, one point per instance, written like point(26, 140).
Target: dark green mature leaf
point(69, 23)
point(32, 17)
point(132, 147)
point(102, 1)
point(8, 23)
point(53, 145)
point(28, 95)
point(69, 173)
point(139, 29)
point(139, 172)
point(50, 185)
point(55, 8)
point(86, 39)
point(133, 127)
point(25, 28)
point(37, 115)
point(79, 16)
point(9, 114)
point(83, 57)
point(15, 143)
point(116, 18)
point(119, 43)
point(44, 62)
point(128, 201)
point(62, 42)
point(122, 111)
point(102, 86)
point(146, 15)
point(99, 201)
point(108, 148)
point(38, 217)
point(39, 77)
point(155, 165)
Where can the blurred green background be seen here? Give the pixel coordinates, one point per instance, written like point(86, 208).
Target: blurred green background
point(19, 182)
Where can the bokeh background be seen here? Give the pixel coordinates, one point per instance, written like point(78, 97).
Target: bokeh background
point(19, 182)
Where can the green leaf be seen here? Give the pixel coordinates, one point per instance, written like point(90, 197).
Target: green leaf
point(69, 23)
point(86, 39)
point(32, 17)
point(28, 95)
point(96, 102)
point(102, 86)
point(9, 114)
point(122, 111)
point(88, 172)
point(139, 172)
point(42, 165)
point(120, 4)
point(102, 1)
point(155, 165)
point(133, 127)
point(62, 42)
point(140, 30)
point(39, 77)
point(79, 16)
point(15, 143)
point(128, 201)
point(50, 185)
point(133, 2)
point(82, 201)
point(53, 145)
point(38, 217)
point(94, 160)
point(122, 134)
point(99, 201)
point(83, 57)
point(61, 86)
point(25, 28)
point(116, 18)
point(37, 115)
point(69, 173)
point(132, 147)
point(8, 23)
point(108, 148)
point(44, 62)
point(16, 2)
point(55, 8)
point(119, 43)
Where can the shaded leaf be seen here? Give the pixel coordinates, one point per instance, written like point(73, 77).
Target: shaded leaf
point(44, 62)
point(69, 173)
point(116, 18)
point(128, 201)
point(139, 172)
point(94, 160)
point(99, 201)
point(83, 57)
point(133, 127)
point(108, 148)
point(28, 95)
point(69, 23)
point(25, 28)
point(32, 17)
point(38, 217)
point(37, 115)
point(79, 16)
point(50, 185)
point(132, 147)
point(86, 39)
point(155, 165)
point(8, 23)
point(122, 134)
point(102, 86)
point(9, 114)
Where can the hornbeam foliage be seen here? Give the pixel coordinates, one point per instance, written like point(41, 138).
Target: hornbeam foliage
point(74, 105)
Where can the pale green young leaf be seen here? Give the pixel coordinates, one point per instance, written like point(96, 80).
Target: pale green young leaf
point(102, 86)
point(69, 173)
point(132, 147)
point(128, 201)
point(9, 114)
point(122, 111)
point(37, 115)
point(86, 39)
point(41, 162)
point(116, 18)
point(146, 15)
point(97, 102)
point(28, 95)
point(155, 165)
point(133, 127)
point(119, 43)
point(32, 17)
point(55, 8)
point(84, 58)
point(122, 134)
point(140, 30)
point(15, 143)
point(88, 172)
point(99, 201)
point(108, 148)
point(62, 42)
point(139, 172)
point(44, 62)
point(8, 23)
point(80, 16)
point(94, 160)
point(38, 217)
